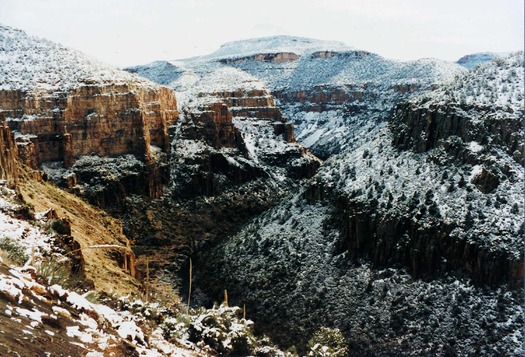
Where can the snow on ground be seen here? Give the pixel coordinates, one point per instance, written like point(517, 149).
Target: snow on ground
point(347, 66)
point(346, 69)
point(497, 83)
point(473, 60)
point(94, 327)
point(33, 64)
point(276, 44)
point(32, 240)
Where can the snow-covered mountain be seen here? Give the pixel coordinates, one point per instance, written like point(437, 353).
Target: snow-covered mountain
point(334, 94)
point(276, 44)
point(411, 244)
point(34, 64)
point(473, 60)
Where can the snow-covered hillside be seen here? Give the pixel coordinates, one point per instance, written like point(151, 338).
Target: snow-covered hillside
point(499, 82)
point(412, 244)
point(333, 93)
point(30, 63)
point(473, 60)
point(276, 44)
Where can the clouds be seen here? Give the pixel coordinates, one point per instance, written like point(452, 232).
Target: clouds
point(125, 32)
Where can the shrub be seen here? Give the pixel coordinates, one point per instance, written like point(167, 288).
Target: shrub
point(328, 342)
point(61, 226)
point(13, 252)
point(54, 272)
point(222, 330)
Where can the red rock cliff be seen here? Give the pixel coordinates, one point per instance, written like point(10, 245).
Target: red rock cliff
point(106, 120)
point(8, 154)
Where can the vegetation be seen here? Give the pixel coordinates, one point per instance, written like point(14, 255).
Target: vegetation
point(60, 273)
point(328, 342)
point(12, 252)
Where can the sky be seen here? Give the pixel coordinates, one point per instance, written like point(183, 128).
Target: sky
point(131, 32)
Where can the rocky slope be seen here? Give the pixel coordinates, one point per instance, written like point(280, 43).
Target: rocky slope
point(64, 268)
point(334, 95)
point(233, 156)
point(412, 244)
point(64, 106)
point(117, 140)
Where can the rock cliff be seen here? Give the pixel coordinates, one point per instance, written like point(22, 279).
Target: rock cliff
point(334, 95)
point(8, 154)
point(105, 120)
point(64, 106)
point(233, 156)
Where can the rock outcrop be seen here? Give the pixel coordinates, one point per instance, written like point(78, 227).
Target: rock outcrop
point(334, 95)
point(8, 154)
point(96, 120)
point(105, 120)
point(233, 156)
point(426, 128)
point(278, 57)
point(64, 106)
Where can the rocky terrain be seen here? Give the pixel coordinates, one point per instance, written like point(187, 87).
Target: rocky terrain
point(407, 240)
point(233, 156)
point(411, 244)
point(333, 94)
point(68, 110)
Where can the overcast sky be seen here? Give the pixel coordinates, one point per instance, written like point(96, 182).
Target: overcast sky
point(127, 32)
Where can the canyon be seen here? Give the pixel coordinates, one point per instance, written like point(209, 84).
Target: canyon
point(319, 185)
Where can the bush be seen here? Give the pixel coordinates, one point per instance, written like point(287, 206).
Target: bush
point(53, 272)
point(61, 226)
point(13, 252)
point(328, 342)
point(222, 330)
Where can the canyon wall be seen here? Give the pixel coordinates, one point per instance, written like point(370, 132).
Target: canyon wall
point(8, 154)
point(106, 120)
point(101, 121)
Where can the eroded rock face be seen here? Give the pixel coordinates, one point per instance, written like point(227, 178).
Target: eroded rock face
point(105, 120)
point(396, 239)
point(423, 129)
point(64, 106)
point(233, 156)
point(8, 154)
point(96, 120)
point(279, 57)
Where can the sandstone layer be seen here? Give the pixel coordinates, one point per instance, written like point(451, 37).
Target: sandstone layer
point(8, 154)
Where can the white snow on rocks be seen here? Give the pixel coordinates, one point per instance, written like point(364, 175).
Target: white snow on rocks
point(33, 64)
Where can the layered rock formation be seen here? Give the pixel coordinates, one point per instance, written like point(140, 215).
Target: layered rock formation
point(279, 57)
point(8, 154)
point(233, 156)
point(64, 106)
point(105, 120)
point(334, 95)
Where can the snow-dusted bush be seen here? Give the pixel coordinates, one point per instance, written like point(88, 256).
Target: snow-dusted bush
point(221, 330)
point(328, 342)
